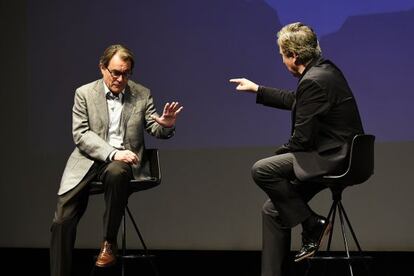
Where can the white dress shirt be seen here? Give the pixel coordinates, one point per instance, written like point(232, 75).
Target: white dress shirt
point(115, 129)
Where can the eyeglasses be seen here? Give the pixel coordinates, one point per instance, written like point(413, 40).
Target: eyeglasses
point(116, 74)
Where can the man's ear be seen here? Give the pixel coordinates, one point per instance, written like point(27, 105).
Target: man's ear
point(296, 59)
point(101, 67)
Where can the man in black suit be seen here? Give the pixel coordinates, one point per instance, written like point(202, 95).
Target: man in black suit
point(325, 118)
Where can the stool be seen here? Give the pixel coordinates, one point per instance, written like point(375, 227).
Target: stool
point(150, 158)
point(360, 168)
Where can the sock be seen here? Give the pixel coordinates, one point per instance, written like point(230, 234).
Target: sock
point(309, 222)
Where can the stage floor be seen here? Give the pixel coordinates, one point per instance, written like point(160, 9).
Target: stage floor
point(33, 261)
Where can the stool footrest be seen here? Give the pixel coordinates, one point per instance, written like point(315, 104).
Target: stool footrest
point(133, 256)
point(341, 258)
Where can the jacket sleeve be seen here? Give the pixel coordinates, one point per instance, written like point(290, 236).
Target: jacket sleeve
point(274, 97)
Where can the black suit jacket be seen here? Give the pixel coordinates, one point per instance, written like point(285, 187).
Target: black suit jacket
point(325, 118)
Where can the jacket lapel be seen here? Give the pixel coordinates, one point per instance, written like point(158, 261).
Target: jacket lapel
point(129, 100)
point(99, 99)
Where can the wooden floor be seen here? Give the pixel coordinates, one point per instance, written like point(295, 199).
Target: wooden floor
point(23, 261)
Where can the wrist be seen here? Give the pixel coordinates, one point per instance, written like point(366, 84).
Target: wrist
point(112, 155)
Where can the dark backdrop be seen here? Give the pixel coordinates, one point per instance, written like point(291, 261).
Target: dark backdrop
point(186, 51)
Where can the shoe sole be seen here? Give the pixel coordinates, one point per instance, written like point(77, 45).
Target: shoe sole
point(324, 233)
point(106, 265)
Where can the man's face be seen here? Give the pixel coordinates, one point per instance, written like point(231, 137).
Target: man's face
point(290, 63)
point(116, 74)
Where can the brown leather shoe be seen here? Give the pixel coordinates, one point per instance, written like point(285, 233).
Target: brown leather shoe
point(107, 256)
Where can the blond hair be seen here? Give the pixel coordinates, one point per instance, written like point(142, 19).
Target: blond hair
point(300, 40)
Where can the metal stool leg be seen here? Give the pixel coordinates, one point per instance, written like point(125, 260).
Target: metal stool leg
point(338, 209)
point(124, 250)
point(123, 245)
point(350, 227)
point(348, 223)
point(331, 217)
point(146, 253)
point(345, 240)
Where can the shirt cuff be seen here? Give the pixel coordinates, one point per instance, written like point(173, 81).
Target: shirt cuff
point(111, 155)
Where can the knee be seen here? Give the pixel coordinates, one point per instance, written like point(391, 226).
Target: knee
point(268, 209)
point(256, 171)
point(118, 169)
point(261, 172)
point(271, 216)
point(60, 223)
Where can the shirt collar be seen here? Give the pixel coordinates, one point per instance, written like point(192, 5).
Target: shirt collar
point(106, 90)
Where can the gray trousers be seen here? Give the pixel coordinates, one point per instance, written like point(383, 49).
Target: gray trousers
point(71, 206)
point(287, 206)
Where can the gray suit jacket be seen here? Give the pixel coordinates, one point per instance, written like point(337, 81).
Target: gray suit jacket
point(90, 129)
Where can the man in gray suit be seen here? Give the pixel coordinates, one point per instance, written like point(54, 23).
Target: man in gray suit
point(325, 119)
point(110, 116)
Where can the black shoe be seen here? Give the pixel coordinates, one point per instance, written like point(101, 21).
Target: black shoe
point(312, 238)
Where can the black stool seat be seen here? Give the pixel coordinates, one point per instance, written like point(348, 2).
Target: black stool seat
point(134, 185)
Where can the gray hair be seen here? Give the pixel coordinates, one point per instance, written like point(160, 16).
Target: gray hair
point(124, 53)
point(301, 40)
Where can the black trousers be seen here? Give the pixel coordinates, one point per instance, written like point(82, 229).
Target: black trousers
point(287, 206)
point(71, 206)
